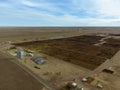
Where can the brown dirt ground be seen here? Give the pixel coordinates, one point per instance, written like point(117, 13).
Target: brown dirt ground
point(24, 34)
point(78, 50)
point(29, 33)
point(13, 77)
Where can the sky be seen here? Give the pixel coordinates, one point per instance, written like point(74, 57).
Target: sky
point(59, 12)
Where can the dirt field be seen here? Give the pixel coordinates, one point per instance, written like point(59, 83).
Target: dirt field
point(57, 71)
point(35, 33)
point(17, 34)
point(13, 77)
point(110, 81)
point(78, 50)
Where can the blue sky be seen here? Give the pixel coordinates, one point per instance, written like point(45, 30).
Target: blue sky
point(59, 12)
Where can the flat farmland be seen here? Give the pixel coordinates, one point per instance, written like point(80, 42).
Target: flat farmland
point(16, 34)
point(79, 50)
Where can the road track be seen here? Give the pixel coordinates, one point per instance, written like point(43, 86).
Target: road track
point(18, 69)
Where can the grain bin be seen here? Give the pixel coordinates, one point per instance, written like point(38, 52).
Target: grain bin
point(20, 53)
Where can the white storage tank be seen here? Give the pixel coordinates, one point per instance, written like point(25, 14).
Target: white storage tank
point(20, 53)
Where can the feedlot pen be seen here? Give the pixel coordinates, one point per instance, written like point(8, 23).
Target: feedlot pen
point(79, 50)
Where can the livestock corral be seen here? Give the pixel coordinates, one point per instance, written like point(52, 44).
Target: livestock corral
point(80, 50)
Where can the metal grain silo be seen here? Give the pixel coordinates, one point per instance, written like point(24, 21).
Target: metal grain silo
point(20, 53)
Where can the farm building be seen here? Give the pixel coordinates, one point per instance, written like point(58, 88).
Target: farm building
point(38, 60)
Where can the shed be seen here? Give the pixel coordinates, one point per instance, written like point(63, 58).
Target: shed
point(30, 54)
point(38, 60)
point(72, 85)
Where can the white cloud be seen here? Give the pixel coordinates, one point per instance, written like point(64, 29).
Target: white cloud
point(99, 8)
point(28, 3)
point(42, 6)
point(45, 19)
point(107, 7)
point(98, 12)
